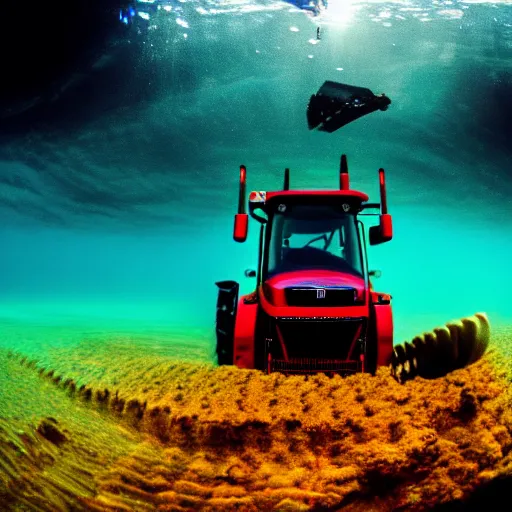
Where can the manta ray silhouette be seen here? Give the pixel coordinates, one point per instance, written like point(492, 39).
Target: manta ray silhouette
point(335, 105)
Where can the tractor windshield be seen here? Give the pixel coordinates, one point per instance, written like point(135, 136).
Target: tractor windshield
point(306, 237)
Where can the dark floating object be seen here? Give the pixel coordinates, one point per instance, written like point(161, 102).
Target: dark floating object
point(313, 6)
point(335, 105)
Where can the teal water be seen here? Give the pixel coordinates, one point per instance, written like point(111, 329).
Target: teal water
point(120, 220)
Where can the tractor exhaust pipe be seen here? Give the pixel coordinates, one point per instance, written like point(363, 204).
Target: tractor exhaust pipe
point(344, 181)
point(286, 185)
point(384, 231)
point(241, 218)
point(383, 196)
point(241, 193)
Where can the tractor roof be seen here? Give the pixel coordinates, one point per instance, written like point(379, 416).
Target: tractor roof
point(342, 194)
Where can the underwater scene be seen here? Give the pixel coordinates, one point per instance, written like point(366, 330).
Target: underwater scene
point(255, 255)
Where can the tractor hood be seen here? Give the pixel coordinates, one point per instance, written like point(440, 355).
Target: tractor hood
point(315, 288)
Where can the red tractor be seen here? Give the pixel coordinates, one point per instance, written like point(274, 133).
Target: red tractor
point(314, 308)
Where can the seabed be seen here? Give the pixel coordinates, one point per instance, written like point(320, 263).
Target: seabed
point(108, 421)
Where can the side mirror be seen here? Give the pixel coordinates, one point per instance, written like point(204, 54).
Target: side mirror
point(383, 232)
point(240, 227)
point(375, 273)
point(250, 273)
point(386, 227)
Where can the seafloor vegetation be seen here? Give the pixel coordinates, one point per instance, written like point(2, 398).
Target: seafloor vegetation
point(103, 427)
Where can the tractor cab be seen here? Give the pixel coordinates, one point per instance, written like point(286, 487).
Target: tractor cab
point(305, 237)
point(314, 308)
point(305, 234)
point(315, 229)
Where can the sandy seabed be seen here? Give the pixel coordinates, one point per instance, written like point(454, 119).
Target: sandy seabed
point(107, 425)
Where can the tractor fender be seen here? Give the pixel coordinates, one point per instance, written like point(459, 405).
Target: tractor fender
point(382, 318)
point(245, 326)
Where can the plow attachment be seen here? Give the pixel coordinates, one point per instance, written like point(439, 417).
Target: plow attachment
point(445, 349)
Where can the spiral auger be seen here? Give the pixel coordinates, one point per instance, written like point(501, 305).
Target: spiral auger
point(434, 354)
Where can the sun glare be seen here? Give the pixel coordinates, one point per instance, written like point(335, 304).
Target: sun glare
point(340, 12)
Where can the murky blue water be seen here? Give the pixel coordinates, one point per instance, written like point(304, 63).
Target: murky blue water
point(117, 197)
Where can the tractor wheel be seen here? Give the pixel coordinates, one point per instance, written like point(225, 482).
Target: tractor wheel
point(371, 355)
point(371, 349)
point(225, 320)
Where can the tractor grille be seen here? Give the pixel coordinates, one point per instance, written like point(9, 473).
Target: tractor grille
point(308, 365)
point(320, 297)
point(322, 338)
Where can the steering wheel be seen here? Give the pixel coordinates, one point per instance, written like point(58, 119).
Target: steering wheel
point(321, 237)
